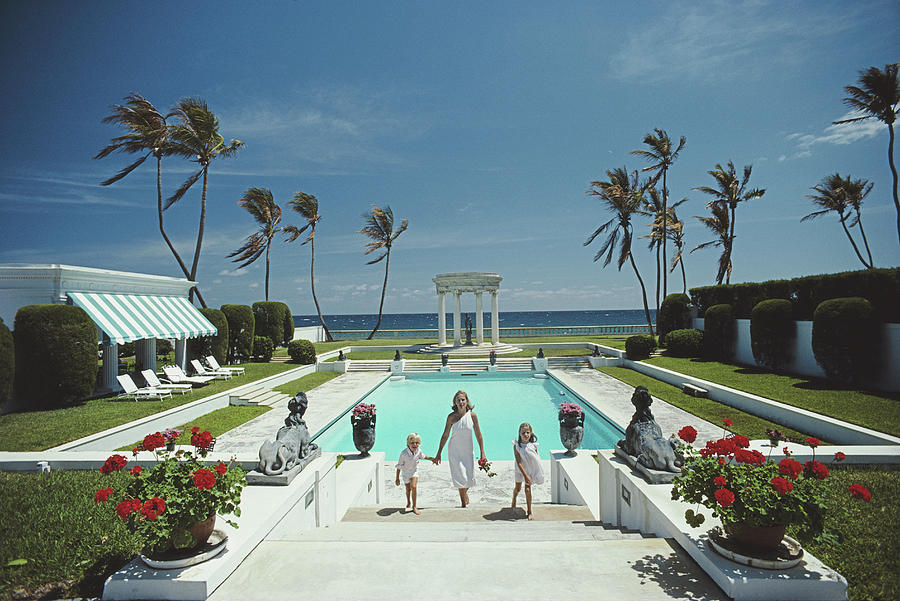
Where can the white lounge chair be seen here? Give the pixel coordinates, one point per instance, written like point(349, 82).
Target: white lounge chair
point(202, 371)
point(214, 365)
point(131, 391)
point(176, 375)
point(153, 381)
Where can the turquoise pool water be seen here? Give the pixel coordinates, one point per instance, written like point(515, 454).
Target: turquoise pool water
point(420, 403)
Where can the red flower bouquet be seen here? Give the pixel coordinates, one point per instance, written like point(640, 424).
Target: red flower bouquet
point(485, 466)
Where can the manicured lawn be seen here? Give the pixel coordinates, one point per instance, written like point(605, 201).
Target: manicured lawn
point(307, 382)
point(878, 411)
point(39, 430)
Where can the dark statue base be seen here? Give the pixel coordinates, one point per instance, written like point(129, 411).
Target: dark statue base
point(650, 475)
point(255, 477)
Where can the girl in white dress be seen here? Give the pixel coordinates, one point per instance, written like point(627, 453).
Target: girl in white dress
point(528, 465)
point(461, 424)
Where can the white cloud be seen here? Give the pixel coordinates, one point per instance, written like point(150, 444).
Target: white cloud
point(235, 273)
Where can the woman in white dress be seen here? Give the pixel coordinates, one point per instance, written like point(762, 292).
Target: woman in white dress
point(461, 424)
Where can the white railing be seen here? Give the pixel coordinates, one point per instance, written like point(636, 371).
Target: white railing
point(519, 332)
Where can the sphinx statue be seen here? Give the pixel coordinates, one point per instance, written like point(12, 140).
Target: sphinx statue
point(291, 447)
point(644, 441)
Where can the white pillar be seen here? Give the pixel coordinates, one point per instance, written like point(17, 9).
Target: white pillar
point(181, 354)
point(110, 368)
point(495, 317)
point(457, 337)
point(479, 319)
point(442, 319)
point(145, 354)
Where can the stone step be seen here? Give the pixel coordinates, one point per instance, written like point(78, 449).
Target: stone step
point(257, 396)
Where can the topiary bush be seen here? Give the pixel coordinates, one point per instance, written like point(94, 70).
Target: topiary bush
point(639, 346)
point(241, 330)
point(288, 325)
point(845, 339)
point(302, 351)
point(7, 362)
point(772, 333)
point(269, 316)
point(719, 332)
point(56, 355)
point(216, 345)
point(684, 343)
point(263, 349)
point(674, 314)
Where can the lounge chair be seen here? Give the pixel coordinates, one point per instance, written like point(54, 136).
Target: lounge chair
point(177, 376)
point(202, 371)
point(214, 365)
point(153, 381)
point(131, 391)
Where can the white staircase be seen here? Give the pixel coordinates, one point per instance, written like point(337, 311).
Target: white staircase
point(580, 362)
point(257, 395)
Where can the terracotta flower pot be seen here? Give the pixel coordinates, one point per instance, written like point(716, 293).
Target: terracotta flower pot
point(201, 531)
point(763, 538)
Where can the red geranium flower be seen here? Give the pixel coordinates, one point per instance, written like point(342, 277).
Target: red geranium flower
point(858, 490)
point(220, 468)
point(741, 441)
point(813, 442)
point(839, 456)
point(688, 434)
point(195, 429)
point(786, 451)
point(722, 461)
point(102, 495)
point(720, 481)
point(725, 497)
point(204, 479)
point(201, 440)
point(751, 457)
point(153, 507)
point(781, 485)
point(113, 464)
point(135, 451)
point(153, 441)
point(816, 469)
point(127, 507)
point(136, 470)
point(790, 467)
point(727, 422)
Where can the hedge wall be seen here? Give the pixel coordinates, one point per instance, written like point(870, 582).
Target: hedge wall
point(674, 314)
point(288, 325)
point(845, 339)
point(772, 333)
point(241, 329)
point(881, 287)
point(56, 355)
point(7, 362)
point(269, 317)
point(263, 349)
point(217, 345)
point(719, 333)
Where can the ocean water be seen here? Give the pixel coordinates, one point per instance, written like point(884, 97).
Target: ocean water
point(507, 319)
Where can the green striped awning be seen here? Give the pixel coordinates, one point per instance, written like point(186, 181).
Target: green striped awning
point(129, 317)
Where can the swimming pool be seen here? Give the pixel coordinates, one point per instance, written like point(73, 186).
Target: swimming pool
point(420, 403)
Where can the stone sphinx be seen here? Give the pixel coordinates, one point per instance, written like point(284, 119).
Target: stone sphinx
point(291, 450)
point(644, 445)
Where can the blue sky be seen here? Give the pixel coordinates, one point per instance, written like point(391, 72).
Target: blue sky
point(483, 125)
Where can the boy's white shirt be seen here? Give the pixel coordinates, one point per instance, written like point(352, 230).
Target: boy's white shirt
point(408, 460)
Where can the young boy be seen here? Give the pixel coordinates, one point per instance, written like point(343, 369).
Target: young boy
point(408, 466)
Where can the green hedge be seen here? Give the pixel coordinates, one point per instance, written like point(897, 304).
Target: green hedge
point(241, 330)
point(719, 332)
point(56, 355)
point(684, 343)
point(772, 333)
point(674, 314)
point(845, 339)
point(269, 317)
point(881, 287)
point(217, 345)
point(302, 351)
point(288, 325)
point(7, 362)
point(639, 346)
point(263, 349)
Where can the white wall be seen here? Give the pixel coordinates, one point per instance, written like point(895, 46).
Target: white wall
point(311, 333)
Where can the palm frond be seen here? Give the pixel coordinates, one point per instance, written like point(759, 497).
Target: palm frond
point(182, 190)
point(124, 171)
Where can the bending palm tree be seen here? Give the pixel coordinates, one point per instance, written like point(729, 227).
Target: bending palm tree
point(878, 95)
point(260, 204)
point(380, 228)
point(834, 194)
point(676, 235)
point(653, 207)
point(718, 223)
point(623, 196)
point(147, 133)
point(197, 138)
point(730, 193)
point(308, 206)
point(661, 152)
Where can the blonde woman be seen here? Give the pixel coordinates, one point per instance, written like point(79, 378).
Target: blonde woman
point(461, 424)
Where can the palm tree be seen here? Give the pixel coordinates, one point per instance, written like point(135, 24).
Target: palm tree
point(662, 222)
point(676, 235)
point(147, 133)
point(308, 207)
point(261, 205)
point(878, 95)
point(834, 194)
point(730, 192)
point(623, 196)
point(662, 156)
point(380, 228)
point(196, 137)
point(719, 224)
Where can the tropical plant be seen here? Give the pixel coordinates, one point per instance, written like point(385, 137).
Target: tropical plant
point(840, 195)
point(196, 137)
point(878, 96)
point(380, 228)
point(719, 224)
point(308, 207)
point(729, 193)
point(148, 133)
point(662, 156)
point(623, 195)
point(262, 207)
point(676, 235)
point(662, 227)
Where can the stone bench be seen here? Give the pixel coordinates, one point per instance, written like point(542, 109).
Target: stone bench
point(688, 388)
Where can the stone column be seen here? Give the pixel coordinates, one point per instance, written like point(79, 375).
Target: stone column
point(495, 317)
point(442, 319)
point(479, 319)
point(110, 368)
point(181, 354)
point(457, 335)
point(145, 354)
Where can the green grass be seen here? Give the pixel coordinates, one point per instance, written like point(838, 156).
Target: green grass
point(878, 411)
point(712, 411)
point(307, 382)
point(39, 430)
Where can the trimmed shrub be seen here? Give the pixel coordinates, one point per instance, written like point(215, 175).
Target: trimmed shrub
point(639, 346)
point(164, 345)
point(772, 333)
point(288, 325)
point(845, 339)
point(7, 362)
point(269, 317)
point(217, 345)
point(674, 314)
point(56, 355)
point(719, 332)
point(684, 343)
point(241, 330)
point(263, 349)
point(302, 351)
